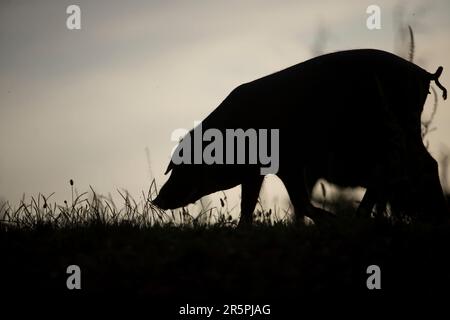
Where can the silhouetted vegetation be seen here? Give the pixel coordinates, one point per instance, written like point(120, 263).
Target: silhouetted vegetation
point(215, 263)
point(173, 255)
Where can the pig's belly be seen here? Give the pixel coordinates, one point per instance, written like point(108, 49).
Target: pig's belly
point(346, 169)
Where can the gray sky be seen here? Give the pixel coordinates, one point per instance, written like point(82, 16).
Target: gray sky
point(85, 104)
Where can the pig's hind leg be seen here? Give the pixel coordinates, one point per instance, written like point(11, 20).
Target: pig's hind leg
point(249, 198)
point(299, 190)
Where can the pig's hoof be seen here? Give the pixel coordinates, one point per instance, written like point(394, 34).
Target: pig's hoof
point(300, 220)
point(321, 216)
point(244, 223)
point(363, 212)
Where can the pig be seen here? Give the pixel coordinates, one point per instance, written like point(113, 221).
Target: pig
point(351, 117)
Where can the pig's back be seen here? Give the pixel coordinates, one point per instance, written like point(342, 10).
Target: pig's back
point(317, 90)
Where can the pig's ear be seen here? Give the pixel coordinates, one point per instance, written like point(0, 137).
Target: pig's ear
point(169, 168)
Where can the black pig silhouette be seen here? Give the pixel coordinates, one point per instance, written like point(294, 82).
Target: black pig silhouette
point(351, 117)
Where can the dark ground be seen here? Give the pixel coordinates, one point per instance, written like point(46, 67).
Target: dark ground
point(220, 264)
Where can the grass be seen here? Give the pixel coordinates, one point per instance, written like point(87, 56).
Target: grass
point(91, 209)
point(175, 257)
point(196, 263)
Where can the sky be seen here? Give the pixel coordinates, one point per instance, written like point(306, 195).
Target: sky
point(86, 104)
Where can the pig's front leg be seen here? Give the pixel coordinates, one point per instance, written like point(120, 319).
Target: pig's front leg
point(249, 197)
point(370, 199)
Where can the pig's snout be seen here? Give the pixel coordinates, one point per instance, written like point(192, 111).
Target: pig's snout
point(160, 203)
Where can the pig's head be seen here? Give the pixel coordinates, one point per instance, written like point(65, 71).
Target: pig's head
point(186, 183)
point(190, 182)
point(184, 186)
